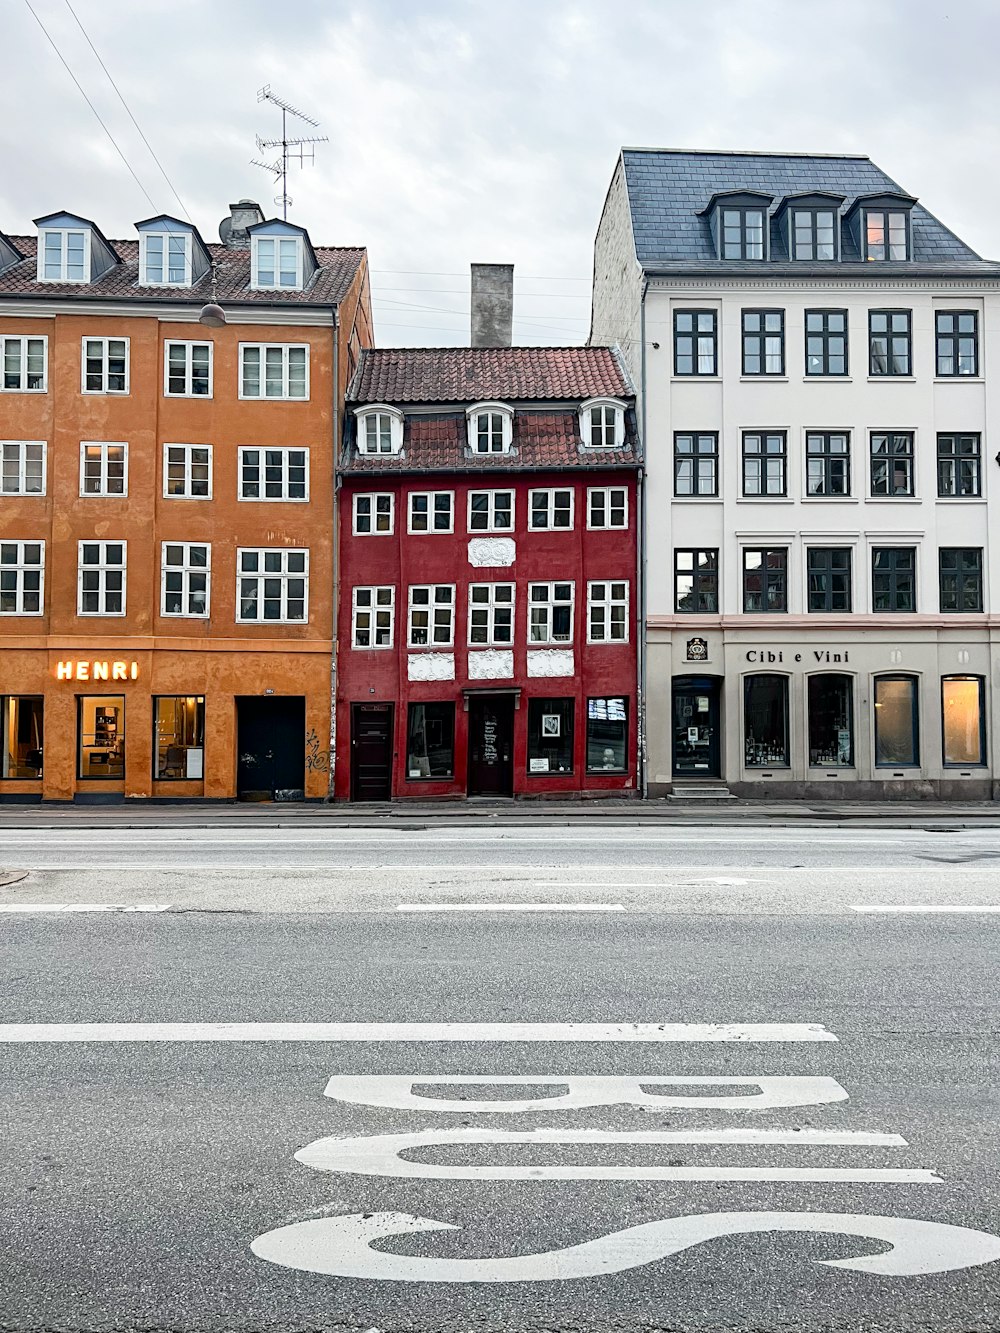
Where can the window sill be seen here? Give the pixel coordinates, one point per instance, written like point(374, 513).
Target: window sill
point(894, 499)
point(559, 774)
point(695, 379)
point(961, 499)
point(187, 497)
point(892, 379)
point(831, 499)
point(848, 770)
point(959, 379)
point(828, 379)
point(763, 379)
point(698, 499)
point(206, 397)
point(764, 499)
point(34, 391)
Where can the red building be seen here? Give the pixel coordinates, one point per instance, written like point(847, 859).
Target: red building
point(488, 594)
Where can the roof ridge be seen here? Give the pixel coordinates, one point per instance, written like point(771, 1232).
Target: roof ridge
point(746, 152)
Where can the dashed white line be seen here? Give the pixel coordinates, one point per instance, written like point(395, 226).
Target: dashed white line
point(509, 907)
point(28, 908)
point(925, 907)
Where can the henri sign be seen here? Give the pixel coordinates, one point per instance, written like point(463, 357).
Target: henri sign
point(78, 670)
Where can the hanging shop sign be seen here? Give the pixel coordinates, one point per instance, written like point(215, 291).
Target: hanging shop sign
point(75, 669)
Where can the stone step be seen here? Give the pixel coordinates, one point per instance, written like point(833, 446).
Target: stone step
point(700, 791)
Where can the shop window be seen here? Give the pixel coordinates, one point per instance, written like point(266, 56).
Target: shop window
point(897, 739)
point(20, 736)
point(101, 736)
point(963, 723)
point(179, 736)
point(831, 721)
point(765, 721)
point(550, 736)
point(430, 743)
point(607, 735)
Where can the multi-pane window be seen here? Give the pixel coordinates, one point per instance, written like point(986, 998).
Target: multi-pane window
point(165, 259)
point(886, 234)
point(373, 613)
point(957, 342)
point(607, 507)
point(894, 578)
point(742, 233)
point(101, 579)
point(103, 468)
point(23, 362)
point(272, 585)
point(22, 467)
point(960, 575)
point(696, 342)
point(826, 342)
point(64, 256)
point(374, 513)
point(890, 342)
point(765, 455)
point(375, 433)
point(763, 342)
point(696, 581)
point(607, 735)
point(892, 462)
point(185, 571)
point(274, 474)
point(550, 509)
point(814, 233)
point(963, 720)
point(488, 432)
point(828, 463)
point(187, 370)
point(958, 463)
point(278, 261)
point(601, 427)
point(607, 612)
point(491, 614)
point(696, 463)
point(828, 574)
point(897, 735)
point(22, 578)
point(431, 511)
point(491, 511)
point(187, 471)
point(105, 365)
point(274, 370)
point(431, 615)
point(550, 612)
point(765, 580)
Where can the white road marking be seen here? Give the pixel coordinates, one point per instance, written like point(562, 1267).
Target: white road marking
point(405, 1032)
point(721, 880)
point(510, 907)
point(925, 907)
point(83, 907)
point(406, 839)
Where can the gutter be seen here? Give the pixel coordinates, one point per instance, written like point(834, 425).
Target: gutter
point(641, 525)
point(335, 552)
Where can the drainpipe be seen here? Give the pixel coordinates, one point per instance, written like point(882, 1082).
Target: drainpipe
point(335, 562)
point(641, 525)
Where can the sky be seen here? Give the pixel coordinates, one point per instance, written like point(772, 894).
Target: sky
point(482, 130)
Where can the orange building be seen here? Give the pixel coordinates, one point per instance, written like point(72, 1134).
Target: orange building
point(167, 507)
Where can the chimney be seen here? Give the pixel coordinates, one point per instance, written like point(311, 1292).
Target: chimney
point(233, 229)
point(492, 305)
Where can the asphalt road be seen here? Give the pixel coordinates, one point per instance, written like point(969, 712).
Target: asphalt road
point(150, 1171)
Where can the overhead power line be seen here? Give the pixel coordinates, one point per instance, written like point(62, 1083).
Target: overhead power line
point(431, 273)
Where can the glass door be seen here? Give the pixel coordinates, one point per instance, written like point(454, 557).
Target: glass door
point(696, 728)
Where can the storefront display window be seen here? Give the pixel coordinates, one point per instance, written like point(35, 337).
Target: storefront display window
point(765, 721)
point(430, 745)
point(21, 736)
point(607, 735)
point(101, 736)
point(550, 736)
point(831, 721)
point(179, 733)
point(963, 727)
point(896, 738)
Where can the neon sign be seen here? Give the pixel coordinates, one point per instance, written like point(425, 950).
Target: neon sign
point(76, 670)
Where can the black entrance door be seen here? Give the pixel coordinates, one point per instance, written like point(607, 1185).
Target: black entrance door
point(696, 727)
point(491, 745)
point(371, 752)
point(271, 748)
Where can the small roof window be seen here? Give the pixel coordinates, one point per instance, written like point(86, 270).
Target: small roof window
point(491, 428)
point(171, 253)
point(380, 429)
point(602, 423)
point(72, 249)
point(281, 257)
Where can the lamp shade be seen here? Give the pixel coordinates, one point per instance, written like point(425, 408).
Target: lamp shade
point(212, 315)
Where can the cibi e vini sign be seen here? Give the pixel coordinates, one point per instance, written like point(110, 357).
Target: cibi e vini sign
point(97, 670)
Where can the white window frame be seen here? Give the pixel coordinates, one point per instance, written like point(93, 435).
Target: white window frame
point(587, 409)
point(188, 468)
point(550, 492)
point(103, 567)
point(22, 341)
point(606, 492)
point(22, 466)
point(21, 567)
point(105, 369)
point(63, 233)
point(186, 569)
point(284, 451)
point(189, 346)
point(361, 415)
point(600, 593)
point(550, 602)
point(432, 606)
point(506, 414)
point(491, 510)
point(490, 606)
point(373, 610)
point(284, 574)
point(431, 497)
point(373, 514)
point(166, 236)
point(276, 241)
point(104, 446)
point(285, 396)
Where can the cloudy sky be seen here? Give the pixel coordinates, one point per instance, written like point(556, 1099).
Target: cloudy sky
point(464, 130)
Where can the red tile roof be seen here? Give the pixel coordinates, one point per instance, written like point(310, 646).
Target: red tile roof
point(398, 375)
point(330, 284)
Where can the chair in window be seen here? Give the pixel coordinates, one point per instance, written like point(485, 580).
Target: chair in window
point(173, 762)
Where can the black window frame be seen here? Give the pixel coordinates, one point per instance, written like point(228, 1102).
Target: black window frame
point(693, 456)
point(962, 579)
point(892, 568)
point(779, 581)
point(816, 759)
point(951, 458)
point(884, 211)
point(447, 712)
point(761, 336)
point(829, 456)
point(767, 760)
point(983, 760)
point(890, 335)
point(606, 699)
point(889, 459)
point(763, 454)
point(914, 683)
point(951, 339)
point(826, 335)
point(827, 568)
point(34, 714)
point(704, 583)
point(563, 706)
point(743, 210)
point(813, 210)
point(695, 334)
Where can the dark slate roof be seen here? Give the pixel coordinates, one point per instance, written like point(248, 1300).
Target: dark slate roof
point(668, 189)
point(401, 375)
point(329, 284)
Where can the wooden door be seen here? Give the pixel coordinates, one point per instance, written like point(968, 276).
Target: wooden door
point(371, 752)
point(491, 746)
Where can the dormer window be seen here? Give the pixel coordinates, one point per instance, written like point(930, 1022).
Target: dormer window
point(602, 423)
point(491, 428)
point(814, 233)
point(742, 233)
point(277, 262)
point(64, 256)
point(886, 234)
point(380, 430)
point(165, 259)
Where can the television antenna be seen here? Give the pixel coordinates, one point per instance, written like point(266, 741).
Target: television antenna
point(300, 150)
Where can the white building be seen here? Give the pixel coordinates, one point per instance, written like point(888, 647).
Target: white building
point(815, 358)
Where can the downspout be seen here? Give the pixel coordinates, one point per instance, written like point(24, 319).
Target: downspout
point(641, 524)
point(335, 562)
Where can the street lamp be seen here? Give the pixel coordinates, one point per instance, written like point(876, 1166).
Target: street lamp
point(212, 315)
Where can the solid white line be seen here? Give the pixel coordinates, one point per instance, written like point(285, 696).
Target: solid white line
point(925, 907)
point(83, 907)
point(509, 907)
point(540, 839)
point(719, 880)
point(404, 1032)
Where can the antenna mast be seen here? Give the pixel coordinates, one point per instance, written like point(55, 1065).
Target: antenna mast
point(299, 150)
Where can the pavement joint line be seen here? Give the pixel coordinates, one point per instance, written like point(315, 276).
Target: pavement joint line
point(53, 908)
